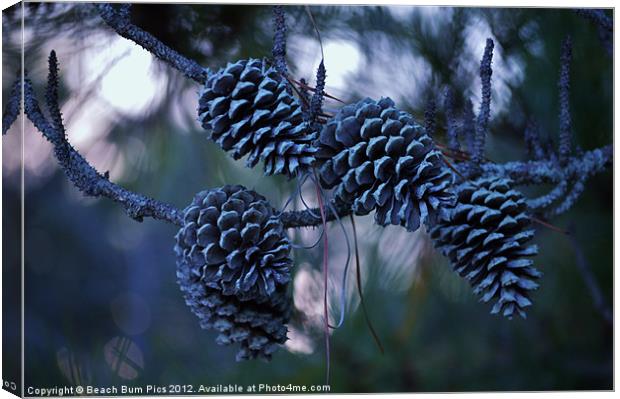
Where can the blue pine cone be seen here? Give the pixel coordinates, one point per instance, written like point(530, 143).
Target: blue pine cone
point(233, 264)
point(258, 328)
point(378, 158)
point(485, 236)
point(247, 109)
point(235, 239)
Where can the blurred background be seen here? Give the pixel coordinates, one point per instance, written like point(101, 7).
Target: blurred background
point(102, 303)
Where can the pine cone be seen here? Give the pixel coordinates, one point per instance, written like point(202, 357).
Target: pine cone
point(234, 238)
point(259, 328)
point(485, 235)
point(246, 108)
point(378, 157)
point(233, 263)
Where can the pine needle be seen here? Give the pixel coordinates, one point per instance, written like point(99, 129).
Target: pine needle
point(359, 289)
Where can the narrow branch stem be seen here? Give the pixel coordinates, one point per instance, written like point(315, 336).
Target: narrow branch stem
point(564, 149)
point(309, 218)
point(279, 42)
point(588, 277)
point(547, 171)
point(13, 105)
point(485, 105)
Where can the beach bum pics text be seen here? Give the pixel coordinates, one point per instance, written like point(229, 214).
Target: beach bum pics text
point(89, 390)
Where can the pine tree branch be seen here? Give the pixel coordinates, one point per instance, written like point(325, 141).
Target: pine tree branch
point(311, 218)
point(604, 24)
point(482, 121)
point(590, 281)
point(119, 20)
point(430, 118)
point(84, 176)
point(451, 121)
point(533, 144)
point(13, 106)
point(279, 40)
point(549, 172)
point(565, 136)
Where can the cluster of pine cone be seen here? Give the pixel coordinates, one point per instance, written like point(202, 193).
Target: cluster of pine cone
point(233, 256)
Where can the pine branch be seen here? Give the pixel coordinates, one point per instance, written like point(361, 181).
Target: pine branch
point(13, 106)
point(84, 176)
point(119, 20)
point(468, 128)
point(279, 41)
point(51, 94)
point(451, 123)
point(564, 148)
point(549, 172)
point(604, 24)
point(316, 103)
point(532, 140)
point(485, 105)
point(548, 199)
point(310, 218)
point(429, 117)
point(572, 197)
point(588, 277)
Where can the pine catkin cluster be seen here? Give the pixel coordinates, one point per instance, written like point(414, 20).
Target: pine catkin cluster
point(486, 237)
point(378, 158)
point(248, 111)
point(233, 264)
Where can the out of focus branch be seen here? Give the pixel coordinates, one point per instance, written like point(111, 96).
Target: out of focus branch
point(78, 170)
point(548, 171)
point(588, 277)
point(565, 135)
point(279, 42)
point(482, 121)
point(119, 20)
point(604, 24)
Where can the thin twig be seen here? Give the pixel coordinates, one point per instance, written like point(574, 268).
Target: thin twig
point(279, 40)
point(308, 217)
point(358, 273)
point(588, 277)
point(312, 89)
point(605, 27)
point(451, 124)
point(13, 106)
point(565, 135)
point(485, 105)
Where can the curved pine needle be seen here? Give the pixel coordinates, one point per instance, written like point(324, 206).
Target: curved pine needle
point(325, 272)
point(359, 289)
